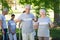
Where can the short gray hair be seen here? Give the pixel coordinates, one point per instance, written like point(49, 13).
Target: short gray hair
point(28, 6)
point(5, 9)
point(42, 10)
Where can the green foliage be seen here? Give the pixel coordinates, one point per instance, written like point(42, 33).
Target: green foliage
point(47, 4)
point(55, 32)
point(4, 4)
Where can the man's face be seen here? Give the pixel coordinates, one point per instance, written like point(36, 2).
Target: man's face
point(27, 10)
point(5, 12)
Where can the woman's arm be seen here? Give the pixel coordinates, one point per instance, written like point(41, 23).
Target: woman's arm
point(36, 25)
point(51, 25)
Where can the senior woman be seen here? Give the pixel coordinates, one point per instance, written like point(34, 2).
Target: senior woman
point(44, 23)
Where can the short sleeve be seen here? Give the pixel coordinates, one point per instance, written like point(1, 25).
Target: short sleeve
point(20, 17)
point(33, 16)
point(0, 17)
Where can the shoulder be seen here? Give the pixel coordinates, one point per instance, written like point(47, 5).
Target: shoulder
point(1, 15)
point(31, 14)
point(9, 21)
point(39, 18)
point(48, 18)
point(21, 14)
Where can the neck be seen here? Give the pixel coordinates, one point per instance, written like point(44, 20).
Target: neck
point(43, 16)
point(12, 19)
point(3, 14)
point(27, 12)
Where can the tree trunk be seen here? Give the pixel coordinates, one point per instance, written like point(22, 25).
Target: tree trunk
point(56, 12)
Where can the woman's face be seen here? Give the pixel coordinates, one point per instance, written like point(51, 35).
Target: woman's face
point(42, 13)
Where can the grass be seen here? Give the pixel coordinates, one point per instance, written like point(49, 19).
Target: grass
point(54, 33)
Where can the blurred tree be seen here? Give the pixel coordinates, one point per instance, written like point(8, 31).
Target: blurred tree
point(37, 4)
point(57, 12)
point(6, 4)
point(47, 4)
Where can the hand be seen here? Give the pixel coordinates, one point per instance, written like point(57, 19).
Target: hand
point(35, 19)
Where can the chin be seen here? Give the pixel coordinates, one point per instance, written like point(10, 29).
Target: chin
point(5, 14)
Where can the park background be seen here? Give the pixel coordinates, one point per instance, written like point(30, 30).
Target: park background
point(17, 7)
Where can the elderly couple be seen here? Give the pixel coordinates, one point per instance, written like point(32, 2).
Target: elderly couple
point(42, 24)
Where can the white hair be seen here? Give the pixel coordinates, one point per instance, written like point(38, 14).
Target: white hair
point(5, 9)
point(28, 6)
point(42, 10)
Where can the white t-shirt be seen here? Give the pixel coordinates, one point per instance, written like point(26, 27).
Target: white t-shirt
point(4, 25)
point(43, 29)
point(27, 22)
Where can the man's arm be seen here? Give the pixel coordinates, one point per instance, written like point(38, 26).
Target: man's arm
point(1, 26)
point(17, 20)
point(0, 23)
point(20, 23)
